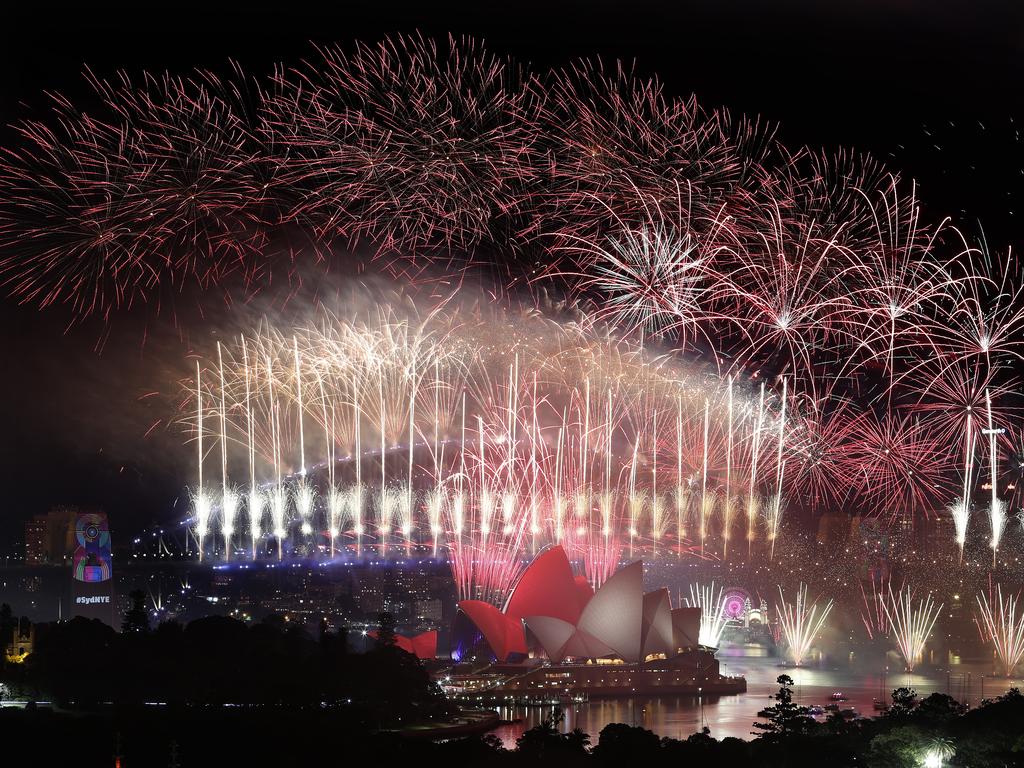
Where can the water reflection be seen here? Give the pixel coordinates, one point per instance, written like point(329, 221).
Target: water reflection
point(680, 716)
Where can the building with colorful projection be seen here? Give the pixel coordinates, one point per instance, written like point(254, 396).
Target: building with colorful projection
point(92, 592)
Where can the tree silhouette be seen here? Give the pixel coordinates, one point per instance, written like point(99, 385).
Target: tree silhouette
point(544, 744)
point(619, 744)
point(939, 708)
point(784, 718)
point(903, 702)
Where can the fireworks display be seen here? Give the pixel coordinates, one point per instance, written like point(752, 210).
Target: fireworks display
point(801, 622)
point(485, 437)
point(615, 320)
point(1004, 626)
point(712, 615)
point(911, 624)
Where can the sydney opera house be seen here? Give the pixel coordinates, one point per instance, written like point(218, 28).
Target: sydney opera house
point(556, 634)
point(423, 646)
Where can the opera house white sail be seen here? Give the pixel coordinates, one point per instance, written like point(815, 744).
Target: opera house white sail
point(569, 621)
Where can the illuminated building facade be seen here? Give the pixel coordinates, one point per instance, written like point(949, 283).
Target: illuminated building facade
point(92, 591)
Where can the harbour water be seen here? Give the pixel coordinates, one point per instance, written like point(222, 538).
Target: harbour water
point(678, 717)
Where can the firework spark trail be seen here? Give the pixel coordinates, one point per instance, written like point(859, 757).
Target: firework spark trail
point(775, 507)
point(681, 494)
point(1004, 627)
point(712, 612)
point(201, 502)
point(801, 622)
point(300, 410)
point(752, 500)
point(335, 500)
point(996, 509)
point(336, 508)
point(899, 465)
point(727, 501)
point(704, 502)
point(911, 625)
point(305, 497)
point(278, 492)
point(255, 499)
point(961, 510)
point(654, 281)
point(356, 494)
point(228, 496)
point(873, 614)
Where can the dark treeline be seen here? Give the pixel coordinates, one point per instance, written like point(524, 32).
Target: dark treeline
point(272, 694)
point(986, 737)
point(215, 661)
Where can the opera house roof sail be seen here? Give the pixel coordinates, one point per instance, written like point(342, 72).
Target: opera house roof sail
point(548, 588)
point(656, 628)
point(609, 624)
point(551, 609)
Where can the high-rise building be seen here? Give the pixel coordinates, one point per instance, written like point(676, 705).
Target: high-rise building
point(60, 533)
point(35, 541)
point(50, 537)
point(431, 610)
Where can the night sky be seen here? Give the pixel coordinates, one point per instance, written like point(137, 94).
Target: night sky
point(931, 88)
